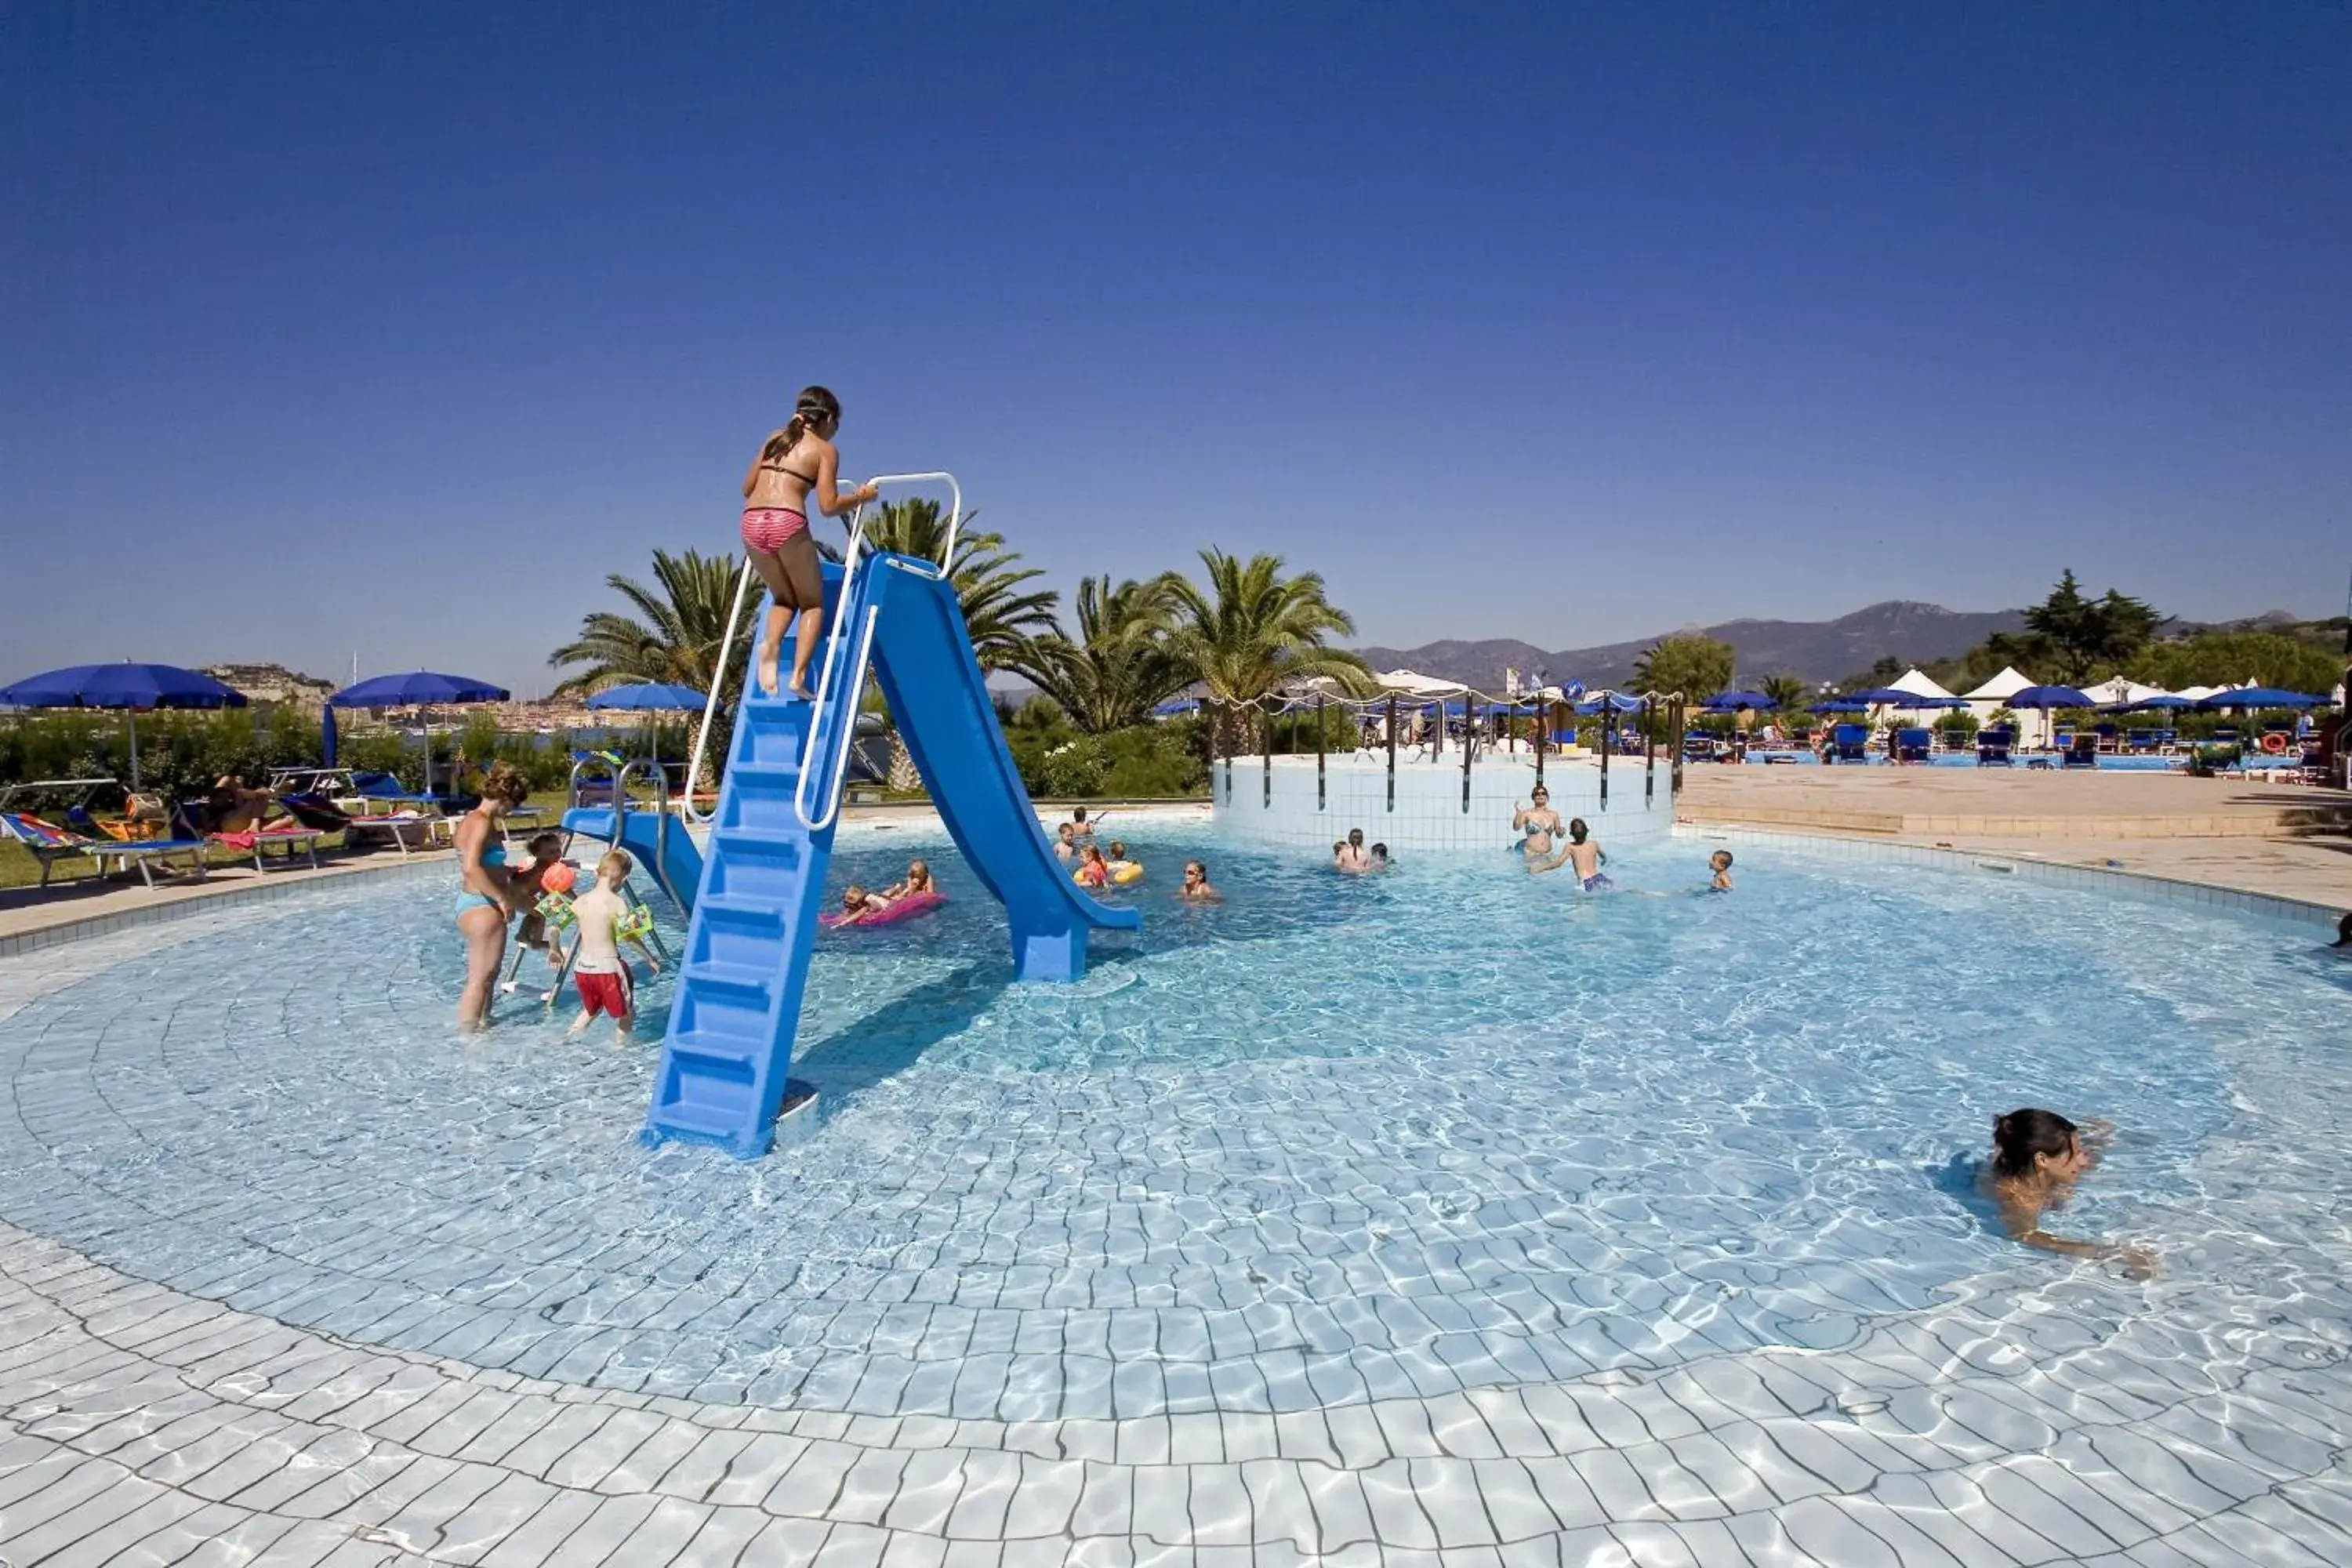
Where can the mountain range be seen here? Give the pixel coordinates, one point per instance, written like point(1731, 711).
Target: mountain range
point(1810, 650)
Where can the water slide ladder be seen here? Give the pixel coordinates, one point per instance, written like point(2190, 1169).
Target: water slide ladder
point(723, 1076)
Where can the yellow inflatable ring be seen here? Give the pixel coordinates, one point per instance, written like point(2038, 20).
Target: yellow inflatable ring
point(1131, 872)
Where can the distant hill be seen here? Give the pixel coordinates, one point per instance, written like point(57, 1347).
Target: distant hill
point(1810, 650)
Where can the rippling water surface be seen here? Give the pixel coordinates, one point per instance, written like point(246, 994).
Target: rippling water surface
point(1333, 1139)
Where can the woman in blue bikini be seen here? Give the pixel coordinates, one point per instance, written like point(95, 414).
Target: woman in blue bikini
point(487, 894)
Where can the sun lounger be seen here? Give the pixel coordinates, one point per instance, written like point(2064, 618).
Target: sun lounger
point(2083, 752)
point(1913, 745)
point(385, 789)
point(398, 828)
point(292, 840)
point(1993, 746)
point(49, 843)
point(1850, 744)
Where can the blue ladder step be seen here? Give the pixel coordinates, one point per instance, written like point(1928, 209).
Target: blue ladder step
point(730, 976)
point(730, 1051)
point(736, 905)
point(776, 838)
point(706, 1122)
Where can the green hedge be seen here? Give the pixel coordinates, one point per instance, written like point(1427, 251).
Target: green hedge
point(180, 754)
point(1144, 761)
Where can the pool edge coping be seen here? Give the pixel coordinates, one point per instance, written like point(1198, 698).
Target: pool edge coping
point(2144, 887)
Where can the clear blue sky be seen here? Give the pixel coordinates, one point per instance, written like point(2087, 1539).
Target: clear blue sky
point(394, 328)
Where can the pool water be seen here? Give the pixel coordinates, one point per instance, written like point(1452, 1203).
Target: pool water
point(1329, 1142)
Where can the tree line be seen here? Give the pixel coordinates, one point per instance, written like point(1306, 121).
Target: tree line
point(2070, 638)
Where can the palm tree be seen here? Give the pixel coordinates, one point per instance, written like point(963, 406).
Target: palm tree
point(1119, 666)
point(1004, 616)
point(684, 617)
point(1255, 630)
point(1787, 691)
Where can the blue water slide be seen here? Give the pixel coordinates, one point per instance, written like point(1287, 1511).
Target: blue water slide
point(724, 1071)
point(922, 656)
point(656, 840)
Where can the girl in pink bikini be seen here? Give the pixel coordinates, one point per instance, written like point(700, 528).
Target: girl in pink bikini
point(795, 461)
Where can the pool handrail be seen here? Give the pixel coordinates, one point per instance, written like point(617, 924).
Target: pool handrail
point(818, 815)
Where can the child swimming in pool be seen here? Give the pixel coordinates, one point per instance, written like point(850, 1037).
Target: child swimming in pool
point(1120, 868)
point(1092, 872)
point(1349, 855)
point(919, 880)
point(1066, 846)
point(2037, 1157)
point(1720, 864)
point(2343, 943)
point(1196, 888)
point(858, 905)
point(1584, 854)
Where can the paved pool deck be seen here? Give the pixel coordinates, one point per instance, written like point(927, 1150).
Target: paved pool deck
point(143, 1424)
point(2290, 841)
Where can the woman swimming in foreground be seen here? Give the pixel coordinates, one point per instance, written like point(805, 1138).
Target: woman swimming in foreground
point(2037, 1157)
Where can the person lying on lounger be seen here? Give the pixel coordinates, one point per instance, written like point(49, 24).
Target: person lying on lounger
point(231, 807)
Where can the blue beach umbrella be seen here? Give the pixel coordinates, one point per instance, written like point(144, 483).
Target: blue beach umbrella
point(1896, 697)
point(126, 686)
point(2048, 696)
point(654, 696)
point(417, 689)
point(1840, 705)
point(2261, 697)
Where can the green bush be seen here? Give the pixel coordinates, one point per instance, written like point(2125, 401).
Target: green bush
point(1144, 760)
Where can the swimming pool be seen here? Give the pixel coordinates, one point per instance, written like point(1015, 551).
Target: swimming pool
point(1336, 1145)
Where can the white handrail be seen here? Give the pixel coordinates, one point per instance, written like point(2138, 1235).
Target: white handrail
point(955, 506)
point(710, 703)
point(837, 642)
point(831, 806)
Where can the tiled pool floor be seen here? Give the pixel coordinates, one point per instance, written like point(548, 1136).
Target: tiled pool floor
point(138, 1425)
point(2024, 1415)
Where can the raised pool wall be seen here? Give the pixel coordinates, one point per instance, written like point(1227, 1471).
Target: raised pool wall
point(1280, 806)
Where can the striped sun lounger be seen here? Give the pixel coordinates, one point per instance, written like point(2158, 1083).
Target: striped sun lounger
point(49, 843)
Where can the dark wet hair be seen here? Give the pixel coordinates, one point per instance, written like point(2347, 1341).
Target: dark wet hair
point(2344, 932)
point(1200, 866)
point(2021, 1135)
point(1355, 836)
point(546, 842)
point(815, 407)
point(1379, 851)
point(1576, 828)
point(1725, 853)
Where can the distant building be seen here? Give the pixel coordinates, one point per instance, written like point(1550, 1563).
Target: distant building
point(274, 685)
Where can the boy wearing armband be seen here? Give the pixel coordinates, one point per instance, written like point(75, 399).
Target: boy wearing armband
point(600, 971)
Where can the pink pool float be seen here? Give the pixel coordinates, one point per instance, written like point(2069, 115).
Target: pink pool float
point(913, 904)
